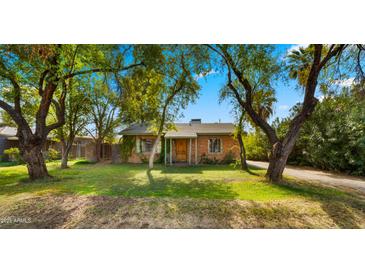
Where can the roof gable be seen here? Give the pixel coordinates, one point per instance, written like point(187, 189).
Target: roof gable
point(183, 129)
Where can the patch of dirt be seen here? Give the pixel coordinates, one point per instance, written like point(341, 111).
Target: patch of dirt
point(72, 211)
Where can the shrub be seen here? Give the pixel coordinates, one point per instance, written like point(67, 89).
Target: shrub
point(52, 155)
point(205, 160)
point(257, 146)
point(13, 154)
point(126, 147)
point(228, 158)
point(333, 138)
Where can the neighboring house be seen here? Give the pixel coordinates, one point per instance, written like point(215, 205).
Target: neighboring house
point(83, 146)
point(190, 143)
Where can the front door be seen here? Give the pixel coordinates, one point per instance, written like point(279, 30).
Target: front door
point(180, 145)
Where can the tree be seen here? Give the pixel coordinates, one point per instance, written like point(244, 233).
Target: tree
point(76, 113)
point(239, 135)
point(263, 101)
point(103, 114)
point(333, 138)
point(45, 69)
point(166, 88)
point(253, 66)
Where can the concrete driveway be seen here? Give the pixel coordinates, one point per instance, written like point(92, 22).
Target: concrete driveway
point(319, 176)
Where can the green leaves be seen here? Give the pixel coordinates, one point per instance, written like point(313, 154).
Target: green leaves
point(156, 93)
point(334, 136)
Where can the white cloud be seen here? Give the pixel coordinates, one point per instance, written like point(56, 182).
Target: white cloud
point(202, 75)
point(297, 47)
point(345, 82)
point(283, 107)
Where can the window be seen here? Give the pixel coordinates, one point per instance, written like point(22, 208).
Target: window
point(146, 145)
point(214, 145)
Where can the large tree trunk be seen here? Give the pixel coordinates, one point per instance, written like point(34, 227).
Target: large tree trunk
point(244, 165)
point(279, 156)
point(277, 163)
point(153, 152)
point(34, 159)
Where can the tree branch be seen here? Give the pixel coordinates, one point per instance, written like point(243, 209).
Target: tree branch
point(70, 75)
point(331, 53)
point(247, 104)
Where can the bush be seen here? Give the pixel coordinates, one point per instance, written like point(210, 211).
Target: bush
point(126, 147)
point(13, 154)
point(228, 158)
point(257, 146)
point(52, 155)
point(205, 160)
point(333, 138)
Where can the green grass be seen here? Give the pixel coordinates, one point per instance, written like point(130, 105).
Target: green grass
point(211, 182)
point(218, 196)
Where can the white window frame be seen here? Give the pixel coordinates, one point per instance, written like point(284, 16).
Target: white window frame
point(141, 145)
point(220, 148)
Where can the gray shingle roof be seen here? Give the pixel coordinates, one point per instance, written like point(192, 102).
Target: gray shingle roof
point(8, 131)
point(184, 129)
point(137, 129)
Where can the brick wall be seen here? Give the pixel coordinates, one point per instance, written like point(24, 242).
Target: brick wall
point(228, 144)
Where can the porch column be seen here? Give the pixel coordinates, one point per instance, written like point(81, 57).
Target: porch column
point(165, 150)
point(189, 151)
point(196, 150)
point(170, 151)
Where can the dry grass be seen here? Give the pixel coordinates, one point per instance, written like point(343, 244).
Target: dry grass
point(73, 211)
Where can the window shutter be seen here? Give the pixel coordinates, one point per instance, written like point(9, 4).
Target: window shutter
point(138, 145)
point(209, 146)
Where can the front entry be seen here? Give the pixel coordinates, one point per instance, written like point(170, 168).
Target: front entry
point(181, 148)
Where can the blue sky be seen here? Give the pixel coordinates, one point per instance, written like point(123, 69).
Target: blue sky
point(207, 107)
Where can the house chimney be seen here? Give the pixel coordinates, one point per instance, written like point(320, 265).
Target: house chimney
point(195, 121)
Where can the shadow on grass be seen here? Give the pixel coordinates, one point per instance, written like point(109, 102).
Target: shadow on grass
point(8, 164)
point(179, 188)
point(200, 168)
point(84, 162)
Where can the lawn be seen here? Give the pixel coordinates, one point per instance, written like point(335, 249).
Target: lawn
point(106, 195)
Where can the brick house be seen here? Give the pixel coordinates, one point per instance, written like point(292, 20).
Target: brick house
point(190, 143)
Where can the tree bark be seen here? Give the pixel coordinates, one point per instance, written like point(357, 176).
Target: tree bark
point(66, 148)
point(277, 162)
point(153, 152)
point(98, 144)
point(244, 165)
point(34, 159)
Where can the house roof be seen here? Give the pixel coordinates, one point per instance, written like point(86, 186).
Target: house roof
point(190, 130)
point(10, 134)
point(136, 129)
point(8, 131)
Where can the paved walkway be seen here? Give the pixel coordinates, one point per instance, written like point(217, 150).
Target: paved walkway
point(323, 177)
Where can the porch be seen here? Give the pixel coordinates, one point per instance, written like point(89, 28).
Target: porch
point(181, 149)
